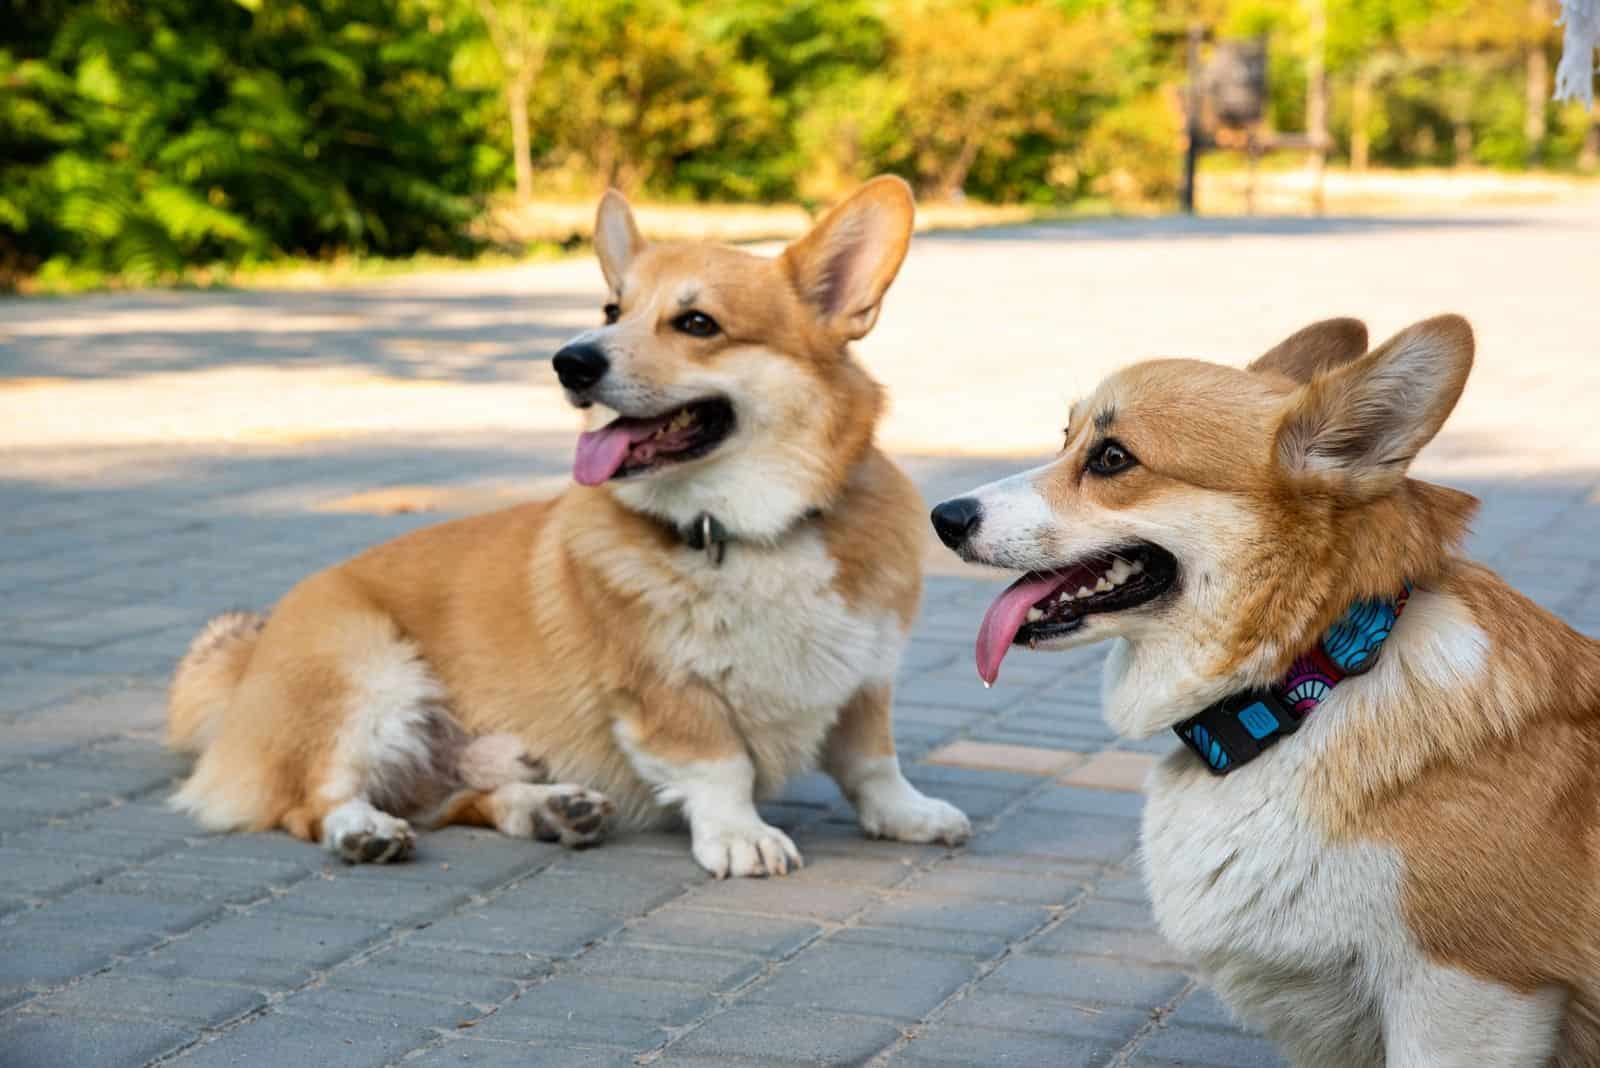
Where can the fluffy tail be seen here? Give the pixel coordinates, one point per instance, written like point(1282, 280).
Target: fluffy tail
point(206, 678)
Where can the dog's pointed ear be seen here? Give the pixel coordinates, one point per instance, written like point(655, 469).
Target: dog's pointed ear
point(616, 238)
point(1318, 348)
point(843, 266)
point(1361, 425)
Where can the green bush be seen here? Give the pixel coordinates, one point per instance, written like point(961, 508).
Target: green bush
point(144, 136)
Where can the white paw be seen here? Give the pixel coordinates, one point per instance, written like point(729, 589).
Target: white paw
point(362, 835)
point(564, 812)
point(908, 815)
point(746, 848)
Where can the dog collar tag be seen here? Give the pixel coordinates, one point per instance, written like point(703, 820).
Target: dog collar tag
point(705, 532)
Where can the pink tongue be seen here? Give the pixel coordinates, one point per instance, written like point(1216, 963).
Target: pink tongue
point(1005, 617)
point(601, 452)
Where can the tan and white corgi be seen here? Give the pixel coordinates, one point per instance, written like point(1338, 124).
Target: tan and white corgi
point(720, 604)
point(1381, 843)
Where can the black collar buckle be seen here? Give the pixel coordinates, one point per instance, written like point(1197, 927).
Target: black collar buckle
point(1238, 729)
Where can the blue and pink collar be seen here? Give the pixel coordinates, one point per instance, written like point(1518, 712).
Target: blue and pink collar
point(1237, 729)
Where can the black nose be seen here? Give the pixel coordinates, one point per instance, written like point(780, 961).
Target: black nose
point(956, 520)
point(580, 365)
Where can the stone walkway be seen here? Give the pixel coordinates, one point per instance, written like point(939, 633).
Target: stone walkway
point(127, 937)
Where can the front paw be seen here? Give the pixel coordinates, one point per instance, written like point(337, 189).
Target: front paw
point(907, 815)
point(750, 848)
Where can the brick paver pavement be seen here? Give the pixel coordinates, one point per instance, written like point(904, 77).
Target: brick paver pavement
point(127, 936)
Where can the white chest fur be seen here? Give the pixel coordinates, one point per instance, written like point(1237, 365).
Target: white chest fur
point(1306, 938)
point(767, 631)
point(1291, 930)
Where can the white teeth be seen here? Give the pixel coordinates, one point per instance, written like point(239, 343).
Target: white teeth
point(1084, 591)
point(1138, 566)
point(1103, 586)
point(1035, 614)
point(1119, 572)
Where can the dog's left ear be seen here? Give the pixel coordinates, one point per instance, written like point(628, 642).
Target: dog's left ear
point(1361, 425)
point(844, 265)
point(1319, 347)
point(616, 238)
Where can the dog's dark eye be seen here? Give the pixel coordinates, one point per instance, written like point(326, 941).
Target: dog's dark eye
point(696, 324)
point(613, 312)
point(1109, 458)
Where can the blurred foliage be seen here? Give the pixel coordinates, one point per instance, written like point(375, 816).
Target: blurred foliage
point(139, 137)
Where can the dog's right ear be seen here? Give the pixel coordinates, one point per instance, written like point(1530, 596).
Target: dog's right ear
point(1316, 349)
point(844, 265)
point(616, 238)
point(1359, 426)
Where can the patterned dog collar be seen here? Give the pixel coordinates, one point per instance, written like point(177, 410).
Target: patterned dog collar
point(1237, 729)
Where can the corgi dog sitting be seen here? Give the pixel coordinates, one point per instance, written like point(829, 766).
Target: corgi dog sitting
point(1380, 841)
point(718, 604)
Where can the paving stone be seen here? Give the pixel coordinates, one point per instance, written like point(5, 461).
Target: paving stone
point(1037, 889)
point(1081, 979)
point(779, 897)
point(1067, 835)
point(1143, 946)
point(30, 1041)
point(446, 975)
point(752, 1033)
point(766, 936)
point(1106, 1025)
point(566, 888)
point(397, 902)
point(302, 939)
point(475, 1053)
point(1093, 802)
point(546, 930)
point(275, 1039)
point(983, 917)
point(712, 971)
point(1197, 1046)
point(582, 1007)
point(187, 1001)
point(858, 979)
point(1022, 759)
point(206, 960)
point(966, 1045)
point(972, 944)
point(89, 841)
point(378, 1006)
point(1112, 770)
point(36, 963)
point(48, 875)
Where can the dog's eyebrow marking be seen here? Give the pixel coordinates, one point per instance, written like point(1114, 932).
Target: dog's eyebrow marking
point(1104, 418)
point(688, 297)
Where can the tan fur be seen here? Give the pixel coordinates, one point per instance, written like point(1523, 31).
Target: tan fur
point(1472, 758)
point(553, 626)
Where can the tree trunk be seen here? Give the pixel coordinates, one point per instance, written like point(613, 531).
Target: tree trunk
point(955, 175)
point(521, 140)
point(1360, 118)
point(1316, 107)
point(1536, 91)
point(1463, 144)
point(1589, 155)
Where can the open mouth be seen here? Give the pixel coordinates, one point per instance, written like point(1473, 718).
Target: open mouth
point(629, 446)
point(1046, 605)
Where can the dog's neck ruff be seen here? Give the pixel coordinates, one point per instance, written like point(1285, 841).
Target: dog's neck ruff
point(705, 533)
point(1237, 729)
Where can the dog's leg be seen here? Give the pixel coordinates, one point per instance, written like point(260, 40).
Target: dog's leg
point(684, 746)
point(859, 754)
point(560, 812)
point(1443, 1018)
